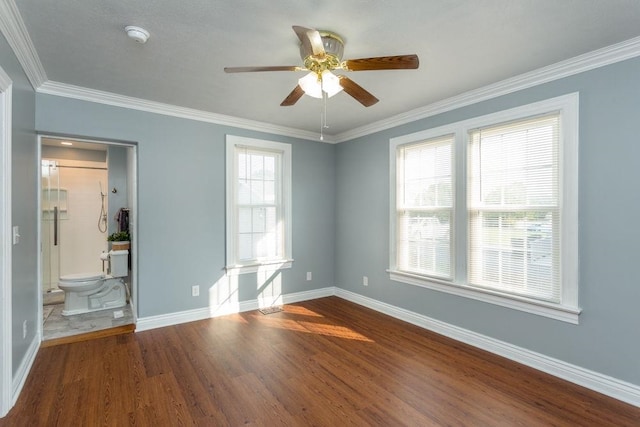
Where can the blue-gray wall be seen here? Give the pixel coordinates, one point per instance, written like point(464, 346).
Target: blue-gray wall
point(181, 201)
point(24, 283)
point(606, 340)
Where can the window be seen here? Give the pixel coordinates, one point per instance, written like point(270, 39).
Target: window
point(424, 206)
point(487, 208)
point(513, 209)
point(258, 204)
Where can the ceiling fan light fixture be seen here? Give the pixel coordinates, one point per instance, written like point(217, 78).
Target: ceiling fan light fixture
point(311, 85)
point(330, 83)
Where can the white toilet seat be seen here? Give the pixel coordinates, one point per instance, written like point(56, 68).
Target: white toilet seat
point(82, 277)
point(81, 282)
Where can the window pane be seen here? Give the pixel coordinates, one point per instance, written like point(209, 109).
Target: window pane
point(270, 168)
point(257, 192)
point(244, 220)
point(257, 166)
point(269, 192)
point(427, 174)
point(244, 192)
point(424, 207)
point(242, 165)
point(245, 247)
point(259, 220)
point(424, 243)
point(514, 211)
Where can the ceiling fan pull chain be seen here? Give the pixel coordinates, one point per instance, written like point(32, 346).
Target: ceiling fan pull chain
point(325, 96)
point(322, 116)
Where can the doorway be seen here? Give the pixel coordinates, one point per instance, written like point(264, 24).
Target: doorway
point(87, 194)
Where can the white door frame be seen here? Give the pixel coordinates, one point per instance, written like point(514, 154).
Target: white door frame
point(6, 239)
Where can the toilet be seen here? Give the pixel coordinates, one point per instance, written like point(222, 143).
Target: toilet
point(86, 292)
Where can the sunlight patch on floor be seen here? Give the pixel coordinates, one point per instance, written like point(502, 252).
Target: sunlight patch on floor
point(312, 328)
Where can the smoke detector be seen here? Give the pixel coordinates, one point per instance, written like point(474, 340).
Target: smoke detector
point(136, 33)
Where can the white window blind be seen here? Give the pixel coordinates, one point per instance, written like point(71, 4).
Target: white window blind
point(424, 207)
point(514, 208)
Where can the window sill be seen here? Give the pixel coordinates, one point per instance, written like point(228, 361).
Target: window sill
point(540, 308)
point(274, 265)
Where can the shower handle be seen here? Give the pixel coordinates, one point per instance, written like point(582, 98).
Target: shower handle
point(55, 226)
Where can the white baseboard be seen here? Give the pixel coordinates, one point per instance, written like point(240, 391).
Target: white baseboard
point(152, 322)
point(621, 390)
point(618, 389)
point(25, 367)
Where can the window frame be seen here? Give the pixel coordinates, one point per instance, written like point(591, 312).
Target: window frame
point(567, 309)
point(283, 201)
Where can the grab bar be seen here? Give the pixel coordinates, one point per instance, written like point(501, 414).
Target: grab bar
point(55, 226)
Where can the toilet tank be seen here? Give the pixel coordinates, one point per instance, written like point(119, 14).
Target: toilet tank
point(119, 263)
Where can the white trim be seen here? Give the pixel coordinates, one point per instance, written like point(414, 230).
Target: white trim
point(107, 98)
point(13, 28)
point(236, 270)
point(613, 387)
point(567, 310)
point(540, 308)
point(599, 58)
point(39, 331)
point(132, 194)
point(25, 367)
point(6, 95)
point(153, 322)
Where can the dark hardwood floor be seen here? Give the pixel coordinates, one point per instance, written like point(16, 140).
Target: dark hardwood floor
point(326, 362)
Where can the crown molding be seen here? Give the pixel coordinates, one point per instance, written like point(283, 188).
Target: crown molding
point(107, 98)
point(13, 28)
point(579, 64)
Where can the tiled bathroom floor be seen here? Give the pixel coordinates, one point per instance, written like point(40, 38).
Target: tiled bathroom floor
point(58, 326)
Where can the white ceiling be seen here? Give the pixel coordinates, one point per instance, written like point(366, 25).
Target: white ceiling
point(462, 45)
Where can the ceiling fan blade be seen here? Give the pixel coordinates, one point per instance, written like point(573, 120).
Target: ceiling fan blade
point(293, 97)
point(253, 69)
point(357, 91)
point(311, 40)
point(399, 62)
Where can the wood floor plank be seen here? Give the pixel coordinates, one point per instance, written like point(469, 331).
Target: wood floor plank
point(324, 362)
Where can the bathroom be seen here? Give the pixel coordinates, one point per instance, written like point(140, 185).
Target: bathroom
point(87, 194)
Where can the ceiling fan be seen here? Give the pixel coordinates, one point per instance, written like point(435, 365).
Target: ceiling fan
point(321, 52)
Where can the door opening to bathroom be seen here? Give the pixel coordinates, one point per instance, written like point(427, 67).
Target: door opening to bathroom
point(87, 199)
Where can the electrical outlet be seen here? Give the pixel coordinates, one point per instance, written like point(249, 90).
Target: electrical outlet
point(308, 275)
point(365, 281)
point(195, 290)
point(24, 329)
